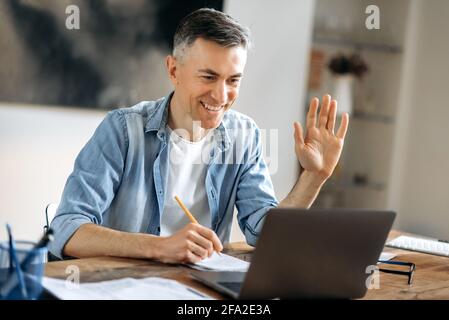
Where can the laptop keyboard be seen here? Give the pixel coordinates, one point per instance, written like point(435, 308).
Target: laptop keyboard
point(422, 245)
point(233, 286)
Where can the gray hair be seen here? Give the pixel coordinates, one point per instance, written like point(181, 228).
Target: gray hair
point(211, 25)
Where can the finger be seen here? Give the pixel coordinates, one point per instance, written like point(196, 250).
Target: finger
point(299, 136)
point(210, 235)
point(332, 117)
point(341, 133)
point(201, 241)
point(324, 111)
point(192, 258)
point(311, 115)
point(197, 250)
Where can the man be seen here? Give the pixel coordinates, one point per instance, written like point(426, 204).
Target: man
point(119, 199)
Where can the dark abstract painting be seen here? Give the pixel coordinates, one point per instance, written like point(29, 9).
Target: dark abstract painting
point(115, 58)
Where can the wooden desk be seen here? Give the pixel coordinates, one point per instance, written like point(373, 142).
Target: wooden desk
point(109, 268)
point(431, 278)
point(430, 281)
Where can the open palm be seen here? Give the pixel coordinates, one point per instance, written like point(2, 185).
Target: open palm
point(320, 150)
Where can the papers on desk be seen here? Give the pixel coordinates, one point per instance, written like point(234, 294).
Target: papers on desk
point(385, 256)
point(222, 262)
point(152, 288)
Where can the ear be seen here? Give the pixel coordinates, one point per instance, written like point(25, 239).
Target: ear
point(171, 64)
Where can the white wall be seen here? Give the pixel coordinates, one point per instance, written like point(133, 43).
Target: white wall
point(273, 87)
point(38, 148)
point(420, 173)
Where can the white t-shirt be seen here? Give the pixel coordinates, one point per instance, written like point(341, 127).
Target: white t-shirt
point(188, 163)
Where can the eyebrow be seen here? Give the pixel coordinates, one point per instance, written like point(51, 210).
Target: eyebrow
point(212, 72)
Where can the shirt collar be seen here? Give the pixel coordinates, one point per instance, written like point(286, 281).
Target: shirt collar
point(157, 121)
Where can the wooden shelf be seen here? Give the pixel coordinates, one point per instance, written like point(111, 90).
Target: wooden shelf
point(360, 115)
point(340, 186)
point(356, 44)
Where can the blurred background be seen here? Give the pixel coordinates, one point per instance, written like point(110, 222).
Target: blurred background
point(56, 85)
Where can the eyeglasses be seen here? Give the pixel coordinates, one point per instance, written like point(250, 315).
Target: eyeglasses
point(411, 266)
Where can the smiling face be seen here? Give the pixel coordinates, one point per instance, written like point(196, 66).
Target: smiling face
point(207, 82)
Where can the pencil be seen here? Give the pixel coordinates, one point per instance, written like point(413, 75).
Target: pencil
point(13, 258)
point(188, 214)
point(186, 211)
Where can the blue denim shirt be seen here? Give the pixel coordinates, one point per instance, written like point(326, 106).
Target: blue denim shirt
point(119, 177)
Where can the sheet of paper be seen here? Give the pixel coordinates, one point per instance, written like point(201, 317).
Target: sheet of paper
point(222, 262)
point(387, 256)
point(152, 288)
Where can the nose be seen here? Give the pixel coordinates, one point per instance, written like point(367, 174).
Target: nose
point(220, 92)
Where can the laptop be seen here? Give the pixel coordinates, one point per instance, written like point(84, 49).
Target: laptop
point(309, 254)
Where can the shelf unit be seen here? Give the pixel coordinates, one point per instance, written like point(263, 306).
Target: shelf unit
point(362, 175)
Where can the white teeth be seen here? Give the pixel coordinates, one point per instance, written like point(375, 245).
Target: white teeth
point(209, 107)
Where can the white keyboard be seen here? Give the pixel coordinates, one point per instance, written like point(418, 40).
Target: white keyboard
point(422, 245)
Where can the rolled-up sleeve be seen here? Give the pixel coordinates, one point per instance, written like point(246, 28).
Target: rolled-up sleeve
point(255, 193)
point(91, 186)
